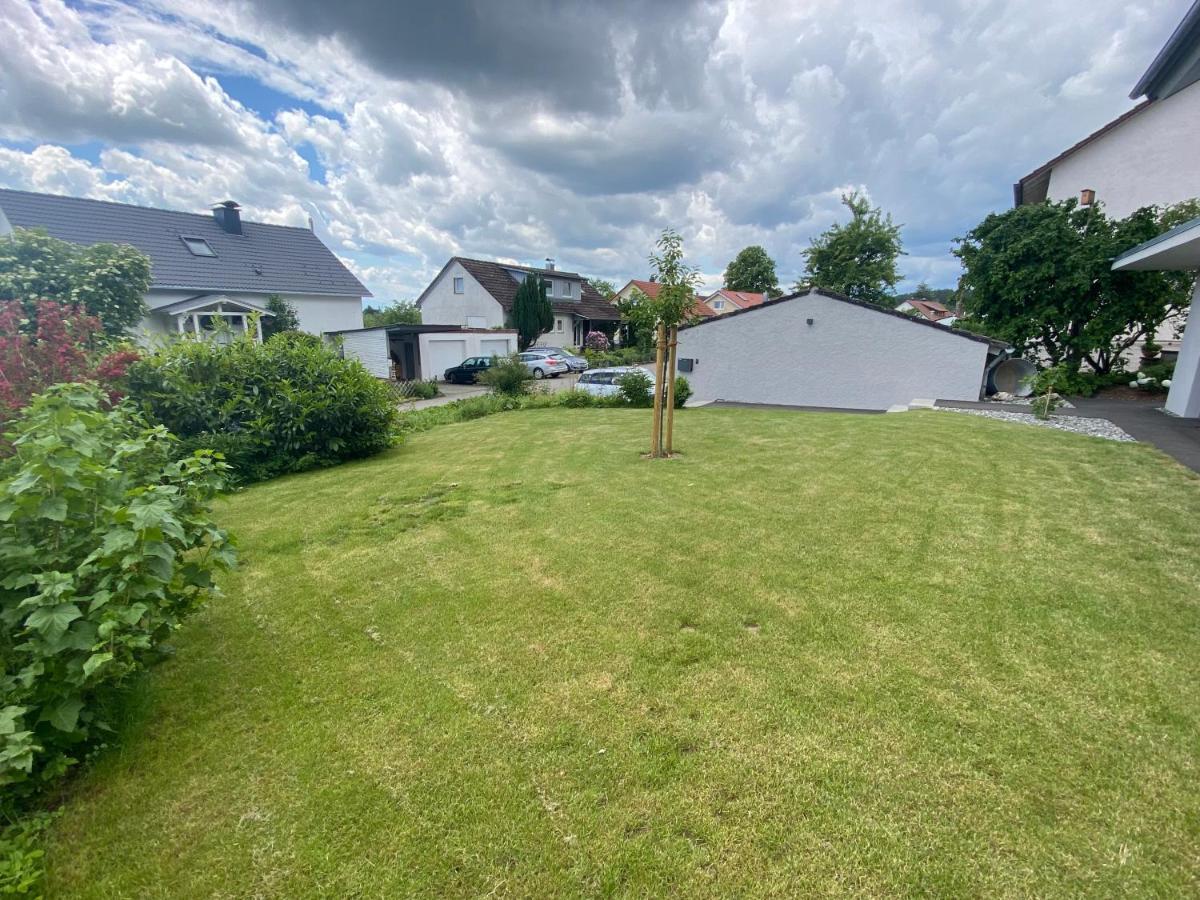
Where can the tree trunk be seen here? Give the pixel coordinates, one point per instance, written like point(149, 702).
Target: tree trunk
point(671, 389)
point(656, 429)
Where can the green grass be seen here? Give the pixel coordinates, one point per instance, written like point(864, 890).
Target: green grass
point(817, 653)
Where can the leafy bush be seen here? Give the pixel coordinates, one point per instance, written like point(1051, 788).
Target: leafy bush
point(683, 390)
point(1073, 382)
point(284, 317)
point(106, 544)
point(596, 340)
point(619, 356)
point(576, 399)
point(1045, 404)
point(415, 390)
point(60, 347)
point(1159, 371)
point(284, 406)
point(636, 389)
point(508, 375)
point(22, 861)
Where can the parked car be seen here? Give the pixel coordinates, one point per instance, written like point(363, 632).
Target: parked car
point(542, 363)
point(467, 371)
point(577, 363)
point(605, 382)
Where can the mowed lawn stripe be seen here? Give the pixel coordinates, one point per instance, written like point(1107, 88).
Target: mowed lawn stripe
point(814, 653)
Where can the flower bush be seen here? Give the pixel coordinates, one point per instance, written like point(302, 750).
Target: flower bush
point(284, 406)
point(508, 375)
point(596, 340)
point(106, 545)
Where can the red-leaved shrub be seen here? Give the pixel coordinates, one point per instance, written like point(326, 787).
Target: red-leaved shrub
point(61, 348)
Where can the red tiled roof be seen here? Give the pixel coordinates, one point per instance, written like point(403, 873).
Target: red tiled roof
point(651, 289)
point(740, 299)
point(930, 309)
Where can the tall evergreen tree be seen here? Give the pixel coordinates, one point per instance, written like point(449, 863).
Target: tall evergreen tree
point(531, 313)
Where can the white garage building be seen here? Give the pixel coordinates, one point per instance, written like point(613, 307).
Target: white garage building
point(421, 352)
point(819, 348)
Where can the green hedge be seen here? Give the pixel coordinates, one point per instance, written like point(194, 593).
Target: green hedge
point(106, 544)
point(284, 406)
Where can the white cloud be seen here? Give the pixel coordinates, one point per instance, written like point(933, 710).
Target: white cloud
point(745, 128)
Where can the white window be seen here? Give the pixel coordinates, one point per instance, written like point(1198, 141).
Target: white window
point(566, 289)
point(558, 325)
point(458, 284)
point(549, 287)
point(198, 246)
point(718, 304)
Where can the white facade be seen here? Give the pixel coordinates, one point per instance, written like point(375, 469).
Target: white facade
point(474, 307)
point(318, 313)
point(1152, 158)
point(849, 357)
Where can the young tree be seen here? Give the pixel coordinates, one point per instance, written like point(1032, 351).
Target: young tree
point(285, 317)
point(604, 288)
point(857, 259)
point(670, 308)
point(108, 280)
point(401, 312)
point(531, 313)
point(1040, 276)
point(752, 270)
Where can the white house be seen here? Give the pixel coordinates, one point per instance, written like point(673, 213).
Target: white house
point(1148, 155)
point(475, 293)
point(819, 348)
point(1177, 250)
point(205, 268)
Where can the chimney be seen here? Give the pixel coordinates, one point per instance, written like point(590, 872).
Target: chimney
point(550, 263)
point(1087, 197)
point(228, 216)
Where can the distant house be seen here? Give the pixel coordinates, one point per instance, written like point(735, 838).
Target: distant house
point(476, 293)
point(699, 310)
point(726, 301)
point(206, 269)
point(928, 309)
point(1146, 156)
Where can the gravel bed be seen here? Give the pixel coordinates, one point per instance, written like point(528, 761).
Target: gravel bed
point(1101, 428)
point(1028, 401)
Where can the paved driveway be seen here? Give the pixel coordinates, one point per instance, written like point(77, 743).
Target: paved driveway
point(452, 392)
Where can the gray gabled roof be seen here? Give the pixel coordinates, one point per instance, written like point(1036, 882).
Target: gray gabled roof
point(263, 259)
point(1178, 62)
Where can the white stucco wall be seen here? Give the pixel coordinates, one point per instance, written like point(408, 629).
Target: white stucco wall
point(441, 306)
point(1153, 158)
point(850, 357)
point(439, 351)
point(317, 313)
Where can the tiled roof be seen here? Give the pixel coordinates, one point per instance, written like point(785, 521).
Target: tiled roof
point(263, 259)
point(497, 281)
point(651, 289)
point(930, 309)
point(740, 299)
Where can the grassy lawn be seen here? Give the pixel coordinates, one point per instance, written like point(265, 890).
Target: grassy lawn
point(819, 653)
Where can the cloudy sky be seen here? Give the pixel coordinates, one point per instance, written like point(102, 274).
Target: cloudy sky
point(411, 131)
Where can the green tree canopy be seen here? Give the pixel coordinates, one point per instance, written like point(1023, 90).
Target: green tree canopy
point(857, 259)
point(109, 281)
point(752, 270)
point(399, 312)
point(678, 280)
point(531, 313)
point(285, 317)
point(603, 287)
point(1040, 276)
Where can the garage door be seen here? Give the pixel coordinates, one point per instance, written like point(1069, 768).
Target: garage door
point(444, 354)
point(494, 347)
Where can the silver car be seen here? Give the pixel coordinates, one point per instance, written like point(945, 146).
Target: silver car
point(542, 363)
point(577, 363)
point(605, 382)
